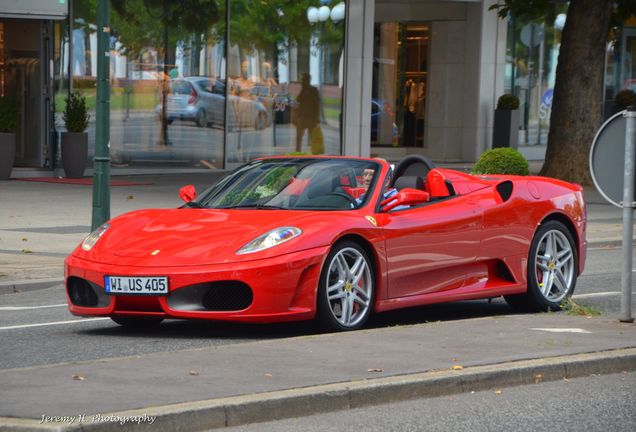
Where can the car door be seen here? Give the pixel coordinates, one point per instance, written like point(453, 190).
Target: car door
point(428, 247)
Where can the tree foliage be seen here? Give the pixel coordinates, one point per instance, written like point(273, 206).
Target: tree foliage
point(139, 24)
point(576, 106)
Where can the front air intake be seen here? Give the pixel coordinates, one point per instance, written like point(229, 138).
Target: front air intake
point(86, 294)
point(228, 296)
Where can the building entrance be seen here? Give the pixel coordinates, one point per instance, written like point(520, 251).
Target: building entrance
point(399, 84)
point(24, 78)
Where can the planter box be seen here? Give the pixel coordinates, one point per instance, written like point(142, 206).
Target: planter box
point(7, 154)
point(506, 129)
point(74, 153)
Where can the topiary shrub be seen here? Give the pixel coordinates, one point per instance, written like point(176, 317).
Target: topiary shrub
point(507, 102)
point(625, 98)
point(75, 113)
point(503, 160)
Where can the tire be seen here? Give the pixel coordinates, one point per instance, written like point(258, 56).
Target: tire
point(552, 270)
point(137, 323)
point(261, 121)
point(345, 297)
point(201, 119)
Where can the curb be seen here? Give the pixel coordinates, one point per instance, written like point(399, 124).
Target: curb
point(12, 287)
point(260, 407)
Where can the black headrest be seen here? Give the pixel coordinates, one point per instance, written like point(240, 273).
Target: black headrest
point(414, 182)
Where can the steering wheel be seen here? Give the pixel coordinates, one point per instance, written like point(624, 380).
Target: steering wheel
point(348, 197)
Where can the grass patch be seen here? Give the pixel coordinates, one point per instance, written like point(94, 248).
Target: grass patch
point(570, 307)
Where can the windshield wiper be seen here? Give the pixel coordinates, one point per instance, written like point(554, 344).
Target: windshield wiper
point(255, 206)
point(194, 204)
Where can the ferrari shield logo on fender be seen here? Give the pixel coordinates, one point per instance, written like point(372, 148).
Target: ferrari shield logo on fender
point(372, 220)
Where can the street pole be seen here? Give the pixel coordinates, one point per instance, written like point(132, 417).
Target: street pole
point(101, 161)
point(628, 214)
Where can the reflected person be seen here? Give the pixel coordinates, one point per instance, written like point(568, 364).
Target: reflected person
point(307, 112)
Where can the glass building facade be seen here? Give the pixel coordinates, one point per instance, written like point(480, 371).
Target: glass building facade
point(210, 83)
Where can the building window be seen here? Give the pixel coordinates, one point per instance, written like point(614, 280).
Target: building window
point(167, 70)
point(285, 78)
point(532, 52)
point(400, 72)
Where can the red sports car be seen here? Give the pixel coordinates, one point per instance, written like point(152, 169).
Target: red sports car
point(333, 238)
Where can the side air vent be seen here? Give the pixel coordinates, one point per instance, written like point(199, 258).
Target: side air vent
point(505, 190)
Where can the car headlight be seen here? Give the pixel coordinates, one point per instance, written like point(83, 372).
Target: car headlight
point(92, 238)
point(270, 239)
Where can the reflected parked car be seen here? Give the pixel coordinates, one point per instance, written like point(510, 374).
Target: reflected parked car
point(202, 100)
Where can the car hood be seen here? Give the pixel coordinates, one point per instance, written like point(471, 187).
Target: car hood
point(187, 236)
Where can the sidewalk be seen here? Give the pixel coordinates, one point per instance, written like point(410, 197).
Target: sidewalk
point(257, 381)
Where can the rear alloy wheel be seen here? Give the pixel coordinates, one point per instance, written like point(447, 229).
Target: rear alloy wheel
point(261, 121)
point(201, 119)
point(552, 269)
point(347, 288)
point(136, 322)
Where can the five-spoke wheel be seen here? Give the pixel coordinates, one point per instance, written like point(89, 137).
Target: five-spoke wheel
point(347, 287)
point(552, 269)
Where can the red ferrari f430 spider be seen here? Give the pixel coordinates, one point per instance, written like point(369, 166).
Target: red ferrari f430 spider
point(335, 239)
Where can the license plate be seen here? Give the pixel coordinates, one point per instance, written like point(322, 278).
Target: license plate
point(136, 285)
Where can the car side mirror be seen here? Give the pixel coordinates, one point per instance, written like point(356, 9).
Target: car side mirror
point(405, 197)
point(187, 193)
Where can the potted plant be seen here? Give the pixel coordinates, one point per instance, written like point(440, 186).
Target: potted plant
point(506, 127)
point(75, 139)
point(8, 122)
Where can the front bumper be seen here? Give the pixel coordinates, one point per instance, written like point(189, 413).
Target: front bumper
point(284, 288)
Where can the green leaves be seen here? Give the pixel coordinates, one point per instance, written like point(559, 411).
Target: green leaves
point(501, 161)
point(75, 113)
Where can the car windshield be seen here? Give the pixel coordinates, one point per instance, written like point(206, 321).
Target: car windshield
point(294, 184)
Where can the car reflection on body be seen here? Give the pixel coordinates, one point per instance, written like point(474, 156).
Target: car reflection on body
point(202, 100)
point(297, 238)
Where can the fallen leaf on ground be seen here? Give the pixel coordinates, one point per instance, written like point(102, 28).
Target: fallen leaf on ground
point(375, 370)
point(27, 251)
point(268, 375)
point(78, 378)
point(130, 197)
point(537, 378)
point(497, 392)
point(25, 239)
point(193, 372)
point(457, 367)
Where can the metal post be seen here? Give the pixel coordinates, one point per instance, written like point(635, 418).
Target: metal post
point(628, 214)
point(101, 164)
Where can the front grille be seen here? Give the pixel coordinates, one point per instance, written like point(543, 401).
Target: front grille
point(227, 296)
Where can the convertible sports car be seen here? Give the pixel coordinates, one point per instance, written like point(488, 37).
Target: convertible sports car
point(333, 238)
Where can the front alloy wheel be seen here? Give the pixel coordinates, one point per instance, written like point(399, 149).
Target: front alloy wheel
point(346, 289)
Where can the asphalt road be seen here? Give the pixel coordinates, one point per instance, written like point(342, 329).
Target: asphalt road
point(36, 329)
point(596, 403)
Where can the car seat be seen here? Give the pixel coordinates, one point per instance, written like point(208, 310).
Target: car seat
point(437, 185)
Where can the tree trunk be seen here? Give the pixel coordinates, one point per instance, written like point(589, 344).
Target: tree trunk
point(578, 91)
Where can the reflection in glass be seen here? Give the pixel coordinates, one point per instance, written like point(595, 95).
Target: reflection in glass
point(285, 78)
point(532, 51)
point(161, 112)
